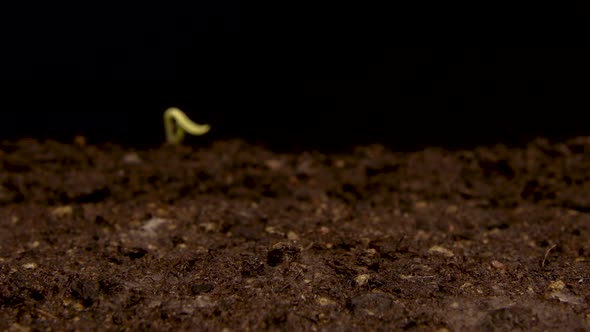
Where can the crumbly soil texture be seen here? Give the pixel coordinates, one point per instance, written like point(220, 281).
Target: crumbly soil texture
point(234, 236)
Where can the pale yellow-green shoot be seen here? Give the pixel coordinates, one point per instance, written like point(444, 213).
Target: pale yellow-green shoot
point(176, 123)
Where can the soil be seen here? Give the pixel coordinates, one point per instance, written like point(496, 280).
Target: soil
point(233, 236)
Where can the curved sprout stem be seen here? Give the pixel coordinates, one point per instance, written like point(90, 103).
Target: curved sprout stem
point(175, 134)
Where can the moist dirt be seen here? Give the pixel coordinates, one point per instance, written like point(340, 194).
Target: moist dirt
point(234, 236)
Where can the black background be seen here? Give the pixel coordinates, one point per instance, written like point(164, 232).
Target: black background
point(109, 76)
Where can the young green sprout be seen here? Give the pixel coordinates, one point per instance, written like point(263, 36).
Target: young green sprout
point(176, 123)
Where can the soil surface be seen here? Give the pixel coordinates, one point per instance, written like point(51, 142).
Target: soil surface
point(237, 237)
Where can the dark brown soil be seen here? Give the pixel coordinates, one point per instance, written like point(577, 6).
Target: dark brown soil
point(235, 237)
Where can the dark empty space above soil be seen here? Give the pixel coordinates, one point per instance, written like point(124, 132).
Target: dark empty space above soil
point(236, 237)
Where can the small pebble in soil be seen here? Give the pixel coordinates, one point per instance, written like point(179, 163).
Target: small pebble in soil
point(324, 301)
point(204, 301)
point(132, 158)
point(441, 251)
point(150, 226)
point(209, 227)
point(62, 211)
point(498, 265)
point(421, 205)
point(30, 266)
point(292, 236)
point(556, 285)
point(33, 244)
point(361, 279)
point(274, 164)
point(452, 209)
point(272, 230)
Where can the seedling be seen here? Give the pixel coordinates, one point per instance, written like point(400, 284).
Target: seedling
point(176, 123)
